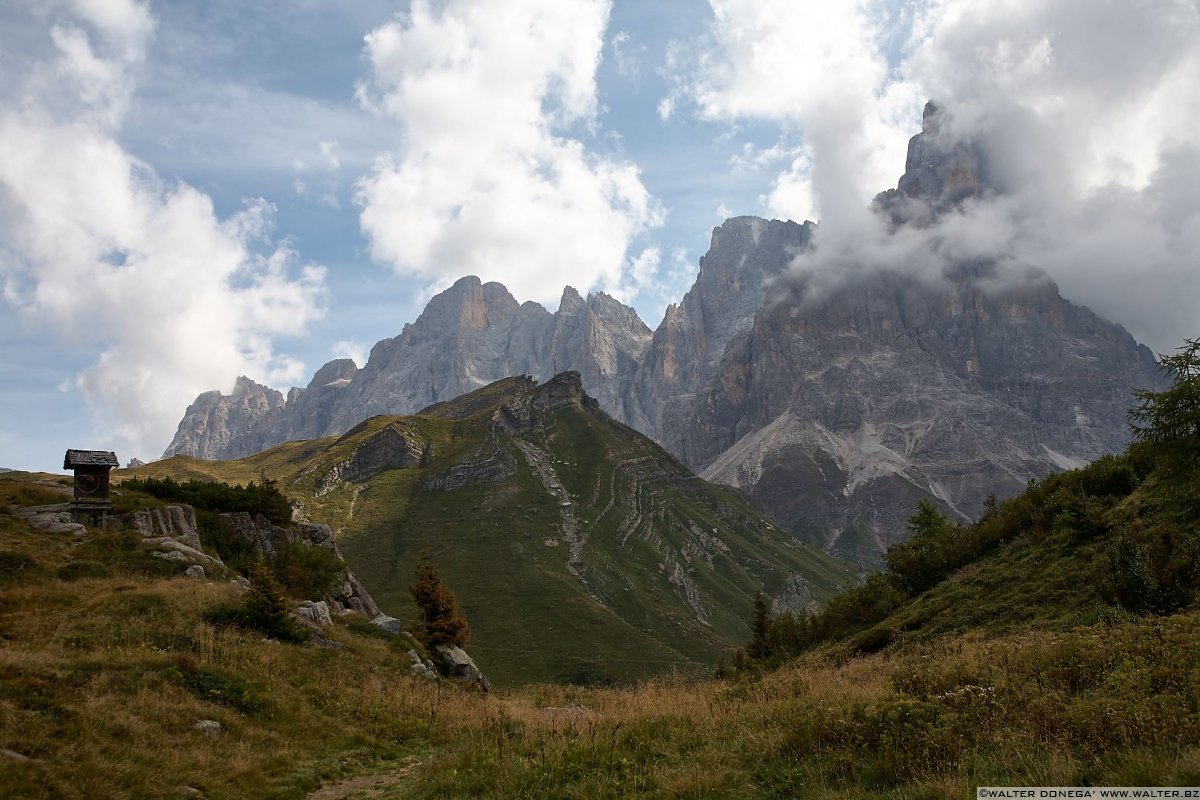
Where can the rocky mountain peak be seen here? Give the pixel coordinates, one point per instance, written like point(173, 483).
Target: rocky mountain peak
point(340, 369)
point(571, 301)
point(211, 425)
point(255, 393)
point(564, 389)
point(931, 119)
point(469, 304)
point(836, 413)
point(942, 171)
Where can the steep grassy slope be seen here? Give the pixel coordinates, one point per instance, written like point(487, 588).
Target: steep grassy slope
point(1092, 546)
point(579, 550)
point(107, 663)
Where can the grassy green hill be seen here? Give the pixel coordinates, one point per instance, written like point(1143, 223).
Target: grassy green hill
point(579, 550)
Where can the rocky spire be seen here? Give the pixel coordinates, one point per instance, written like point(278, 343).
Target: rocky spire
point(942, 171)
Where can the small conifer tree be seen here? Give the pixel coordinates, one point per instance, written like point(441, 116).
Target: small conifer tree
point(266, 605)
point(440, 623)
point(760, 630)
point(1168, 423)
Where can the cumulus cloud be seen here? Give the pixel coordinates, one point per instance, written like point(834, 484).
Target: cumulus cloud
point(488, 178)
point(811, 65)
point(1086, 109)
point(114, 258)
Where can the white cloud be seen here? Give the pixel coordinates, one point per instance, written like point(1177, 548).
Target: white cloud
point(110, 256)
point(811, 65)
point(627, 54)
point(322, 183)
point(329, 149)
point(486, 180)
point(352, 349)
point(641, 275)
point(1087, 109)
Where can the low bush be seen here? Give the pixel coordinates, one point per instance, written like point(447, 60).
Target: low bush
point(256, 498)
point(307, 571)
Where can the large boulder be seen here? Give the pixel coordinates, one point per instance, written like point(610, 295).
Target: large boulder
point(54, 518)
point(456, 664)
point(314, 612)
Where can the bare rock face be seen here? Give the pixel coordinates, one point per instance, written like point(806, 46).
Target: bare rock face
point(308, 411)
point(838, 411)
point(469, 336)
point(746, 255)
point(176, 522)
point(602, 341)
point(838, 416)
point(222, 426)
point(396, 446)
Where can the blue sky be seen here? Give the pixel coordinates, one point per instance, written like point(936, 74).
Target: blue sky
point(189, 192)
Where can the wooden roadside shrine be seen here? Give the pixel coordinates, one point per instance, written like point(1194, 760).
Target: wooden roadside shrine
point(91, 503)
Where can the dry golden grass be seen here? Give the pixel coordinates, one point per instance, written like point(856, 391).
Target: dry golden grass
point(1111, 705)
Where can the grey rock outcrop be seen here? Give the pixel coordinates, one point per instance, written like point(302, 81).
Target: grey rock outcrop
point(459, 666)
point(395, 446)
point(176, 522)
point(174, 550)
point(208, 727)
point(54, 518)
point(794, 597)
point(389, 624)
point(837, 415)
point(422, 668)
point(941, 172)
point(307, 412)
point(316, 612)
point(349, 593)
point(745, 256)
point(221, 426)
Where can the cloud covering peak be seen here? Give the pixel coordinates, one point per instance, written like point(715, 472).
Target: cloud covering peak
point(1086, 112)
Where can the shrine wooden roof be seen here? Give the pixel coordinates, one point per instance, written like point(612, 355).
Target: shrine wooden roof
point(90, 458)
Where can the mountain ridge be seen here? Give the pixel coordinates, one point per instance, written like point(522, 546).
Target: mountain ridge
point(803, 396)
